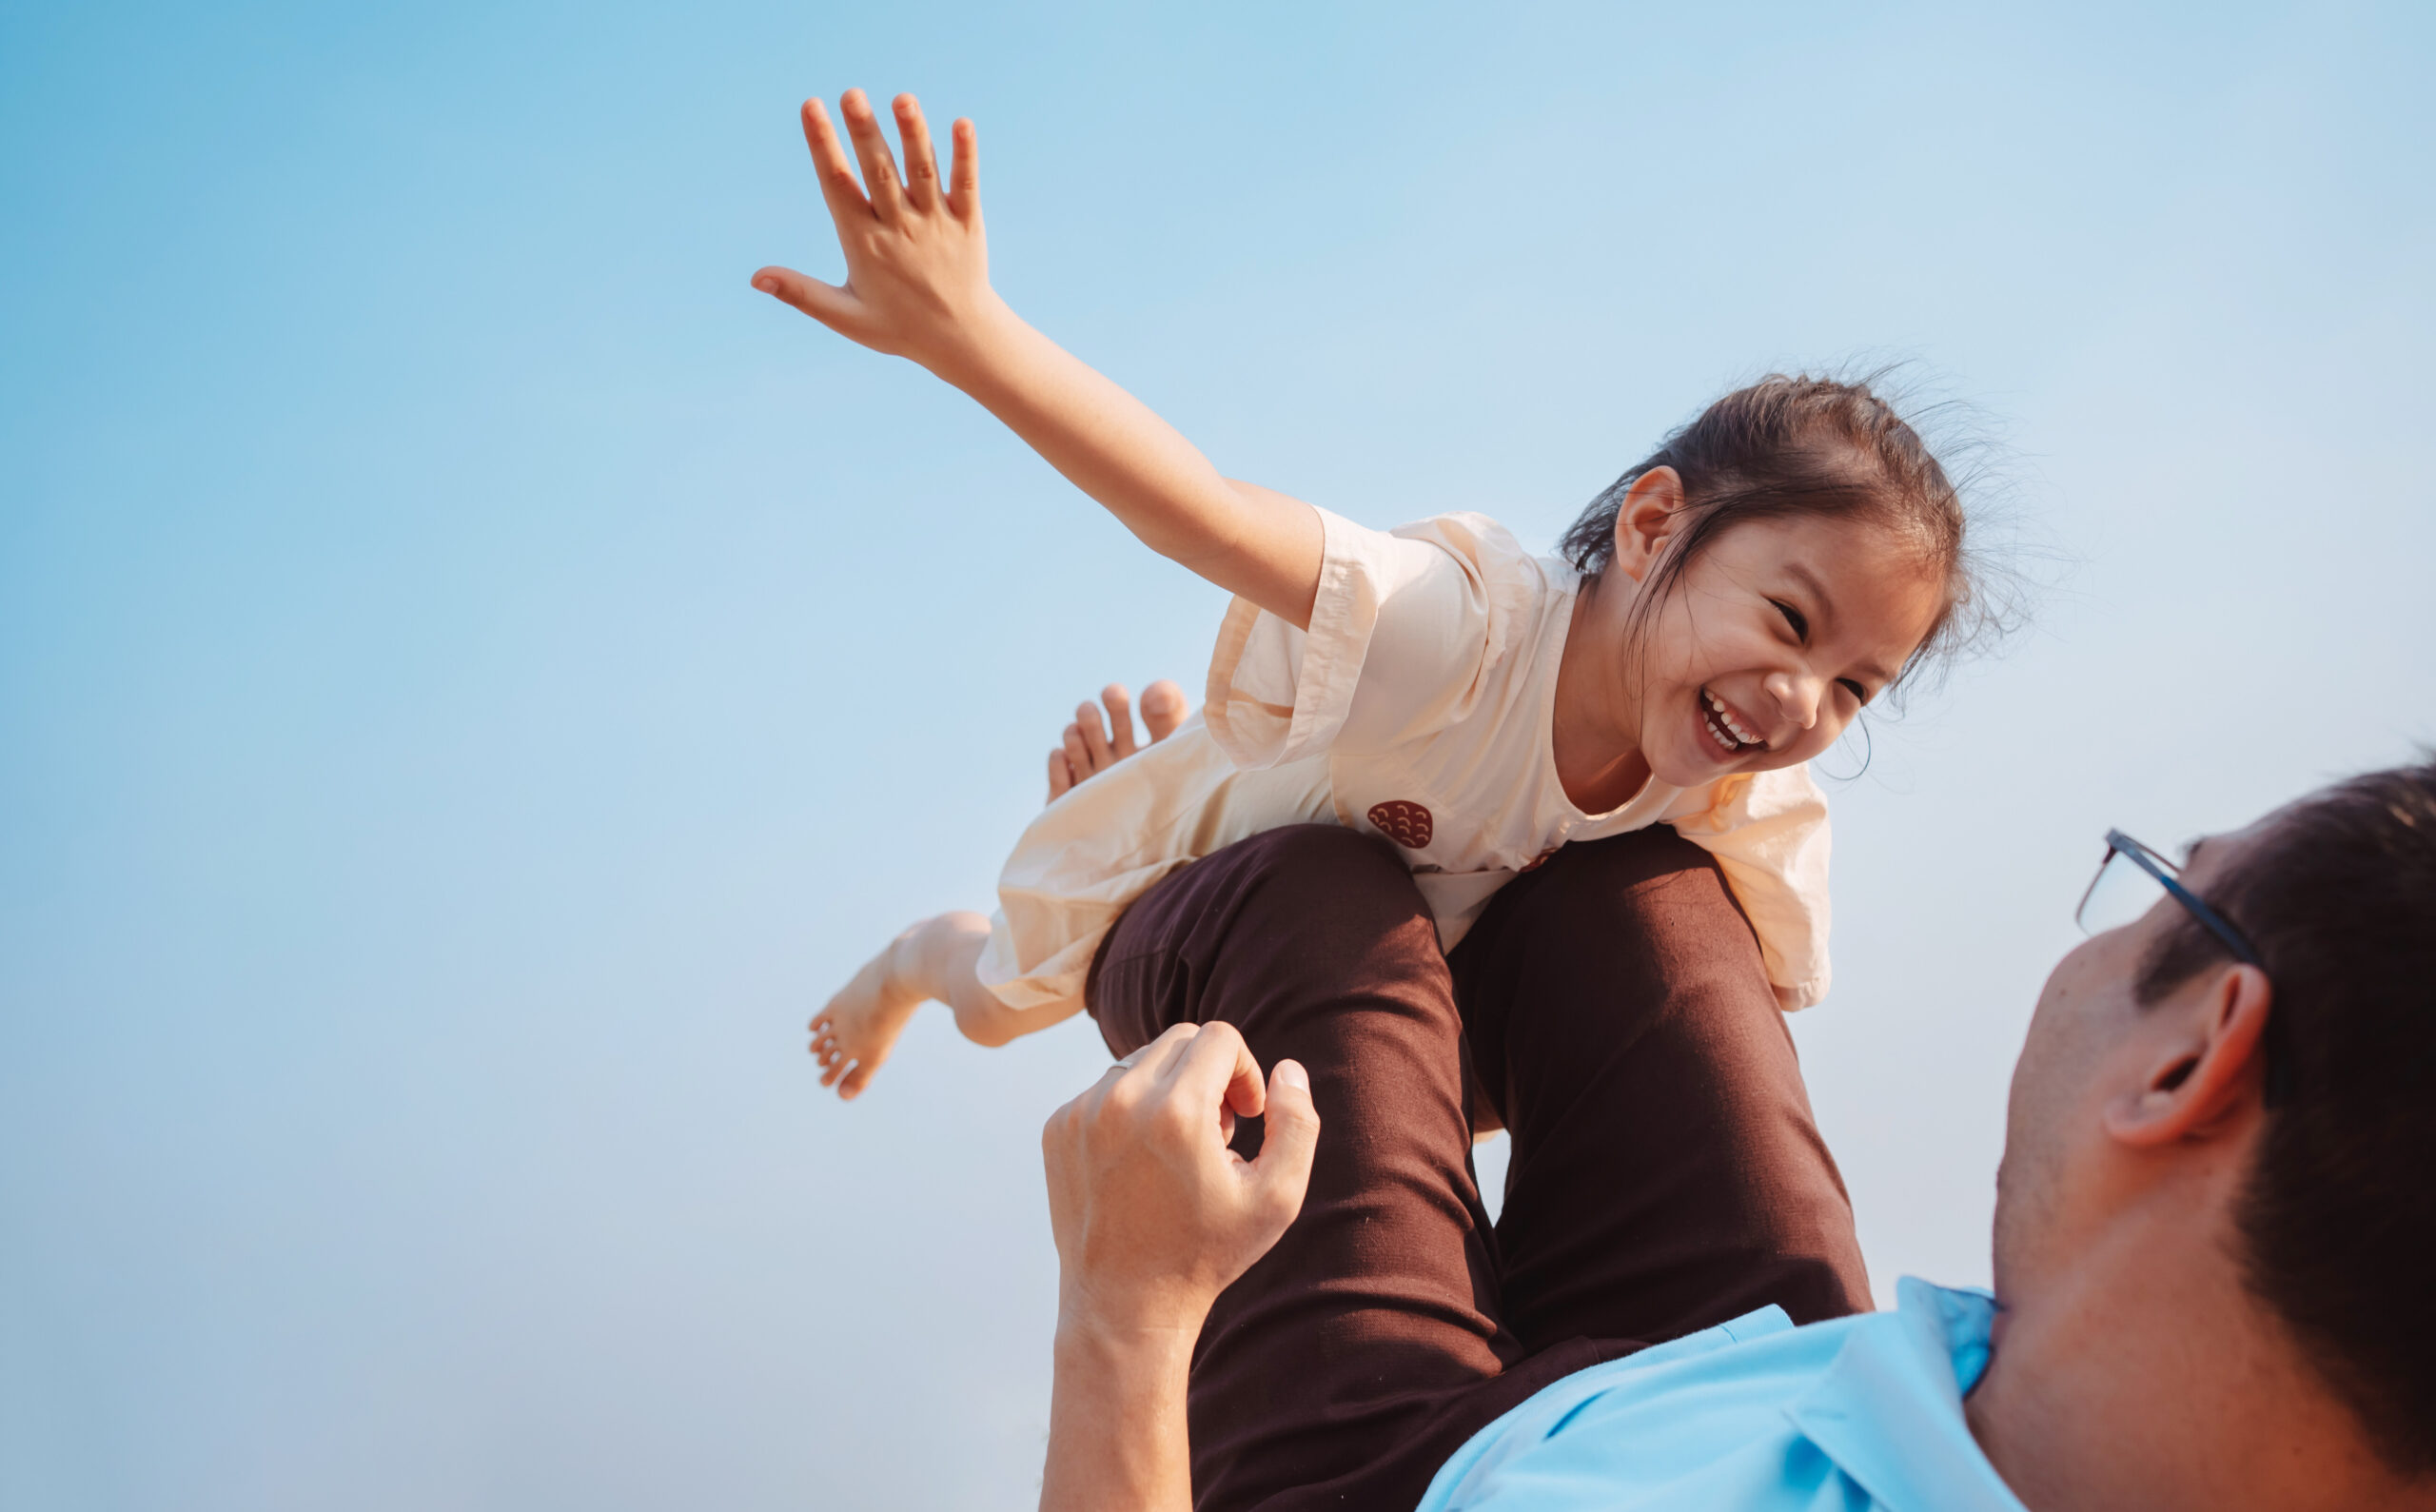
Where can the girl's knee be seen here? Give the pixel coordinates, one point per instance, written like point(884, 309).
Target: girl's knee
point(1630, 930)
point(1323, 851)
point(1649, 882)
point(1311, 913)
point(1324, 878)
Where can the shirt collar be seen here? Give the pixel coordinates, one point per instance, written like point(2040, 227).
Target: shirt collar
point(1888, 1409)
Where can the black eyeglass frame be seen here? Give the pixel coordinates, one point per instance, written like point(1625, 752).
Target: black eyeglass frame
point(2278, 1090)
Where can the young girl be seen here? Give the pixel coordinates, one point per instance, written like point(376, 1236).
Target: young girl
point(1715, 618)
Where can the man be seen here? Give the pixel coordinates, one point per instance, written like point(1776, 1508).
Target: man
point(2215, 1220)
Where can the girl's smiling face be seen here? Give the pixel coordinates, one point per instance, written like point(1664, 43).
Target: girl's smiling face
point(1759, 654)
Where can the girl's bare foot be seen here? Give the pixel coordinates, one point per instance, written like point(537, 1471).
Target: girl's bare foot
point(854, 1035)
point(1088, 749)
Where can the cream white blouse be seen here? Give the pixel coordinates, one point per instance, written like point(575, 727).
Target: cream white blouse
point(1416, 707)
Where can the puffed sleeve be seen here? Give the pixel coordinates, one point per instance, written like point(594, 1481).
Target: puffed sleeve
point(1404, 627)
point(1769, 834)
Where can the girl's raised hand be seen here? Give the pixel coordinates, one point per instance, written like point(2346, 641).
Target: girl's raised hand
point(917, 270)
point(917, 286)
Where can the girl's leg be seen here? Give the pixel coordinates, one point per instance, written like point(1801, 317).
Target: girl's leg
point(1362, 1350)
point(1666, 1174)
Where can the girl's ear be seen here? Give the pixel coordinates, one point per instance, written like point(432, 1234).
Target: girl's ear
point(1645, 520)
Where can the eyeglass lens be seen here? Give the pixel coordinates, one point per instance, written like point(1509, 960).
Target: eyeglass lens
point(2122, 892)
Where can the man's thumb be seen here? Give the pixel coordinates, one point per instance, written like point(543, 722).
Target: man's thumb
point(1289, 1132)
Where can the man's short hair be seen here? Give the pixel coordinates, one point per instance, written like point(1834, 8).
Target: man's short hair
point(2338, 1218)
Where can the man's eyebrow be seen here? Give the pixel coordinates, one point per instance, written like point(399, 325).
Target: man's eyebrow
point(1877, 674)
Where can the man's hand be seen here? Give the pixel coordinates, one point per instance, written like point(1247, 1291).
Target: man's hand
point(917, 265)
point(1088, 749)
point(1154, 1216)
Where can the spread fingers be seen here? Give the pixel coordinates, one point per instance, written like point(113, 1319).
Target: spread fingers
point(870, 150)
point(921, 166)
point(1162, 709)
point(964, 174)
point(839, 186)
point(1086, 720)
point(1120, 718)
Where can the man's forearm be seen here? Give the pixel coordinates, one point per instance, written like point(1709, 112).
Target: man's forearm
point(1155, 1218)
point(1116, 1422)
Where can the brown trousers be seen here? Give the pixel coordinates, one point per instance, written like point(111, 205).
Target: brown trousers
point(1665, 1171)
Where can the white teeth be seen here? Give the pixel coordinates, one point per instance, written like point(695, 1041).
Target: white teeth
point(1723, 722)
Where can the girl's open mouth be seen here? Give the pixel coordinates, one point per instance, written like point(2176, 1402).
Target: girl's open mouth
point(1728, 736)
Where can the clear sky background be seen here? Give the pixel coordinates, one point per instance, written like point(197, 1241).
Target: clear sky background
point(474, 676)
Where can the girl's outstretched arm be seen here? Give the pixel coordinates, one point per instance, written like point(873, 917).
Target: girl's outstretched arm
point(917, 286)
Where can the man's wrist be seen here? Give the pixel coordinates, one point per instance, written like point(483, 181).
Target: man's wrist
point(1132, 1350)
point(1143, 1319)
point(1117, 1434)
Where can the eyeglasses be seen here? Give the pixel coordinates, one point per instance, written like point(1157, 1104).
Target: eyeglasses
point(2127, 885)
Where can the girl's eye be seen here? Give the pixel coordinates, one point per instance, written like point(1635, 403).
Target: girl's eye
point(1861, 695)
point(1794, 617)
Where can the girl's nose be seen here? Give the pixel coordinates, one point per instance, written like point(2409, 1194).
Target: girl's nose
point(1799, 697)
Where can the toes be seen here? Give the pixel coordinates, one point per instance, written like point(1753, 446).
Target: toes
point(826, 1050)
point(1162, 709)
point(856, 1080)
point(1078, 756)
point(1061, 776)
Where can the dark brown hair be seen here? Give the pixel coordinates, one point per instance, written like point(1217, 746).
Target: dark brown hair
point(2337, 1218)
point(1806, 446)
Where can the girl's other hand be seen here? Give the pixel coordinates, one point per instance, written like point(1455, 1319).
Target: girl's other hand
point(917, 268)
point(1088, 750)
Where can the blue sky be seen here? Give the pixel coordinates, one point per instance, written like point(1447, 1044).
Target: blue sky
point(473, 676)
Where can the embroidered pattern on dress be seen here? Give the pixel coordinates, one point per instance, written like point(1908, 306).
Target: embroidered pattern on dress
point(1408, 824)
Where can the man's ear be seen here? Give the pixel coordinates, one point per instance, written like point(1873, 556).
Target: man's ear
point(1646, 520)
point(2209, 1061)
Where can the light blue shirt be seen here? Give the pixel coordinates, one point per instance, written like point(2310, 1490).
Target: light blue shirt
point(1754, 1416)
